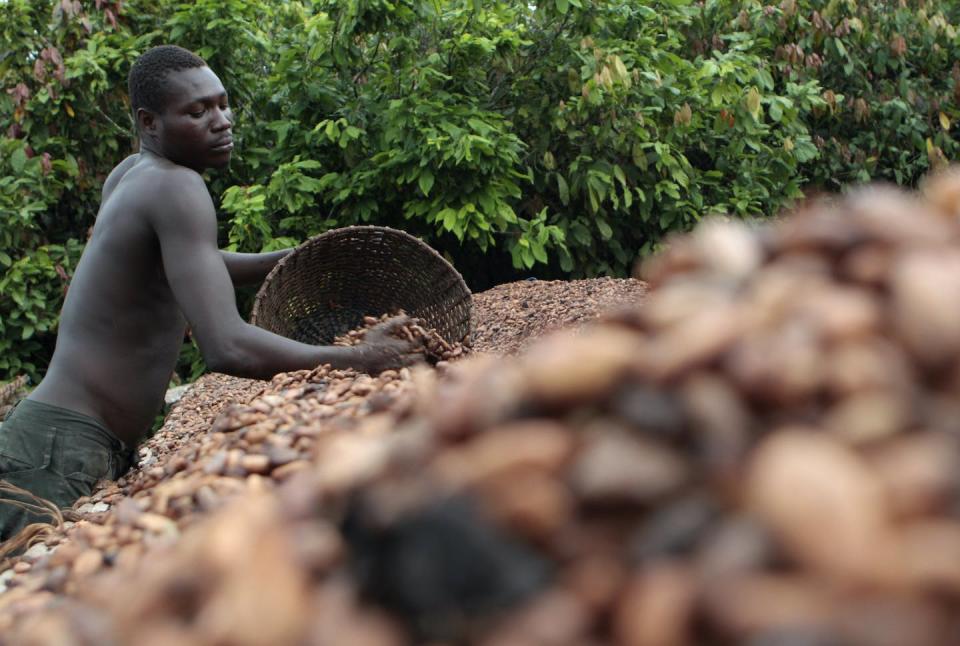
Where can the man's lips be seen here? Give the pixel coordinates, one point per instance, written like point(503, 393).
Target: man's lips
point(224, 146)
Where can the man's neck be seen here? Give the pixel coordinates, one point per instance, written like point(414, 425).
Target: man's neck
point(150, 152)
point(149, 147)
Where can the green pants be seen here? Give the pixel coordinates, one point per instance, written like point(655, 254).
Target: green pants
point(56, 454)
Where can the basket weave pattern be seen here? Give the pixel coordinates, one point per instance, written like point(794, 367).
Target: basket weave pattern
point(328, 284)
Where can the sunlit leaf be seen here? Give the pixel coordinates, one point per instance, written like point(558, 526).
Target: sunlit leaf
point(426, 181)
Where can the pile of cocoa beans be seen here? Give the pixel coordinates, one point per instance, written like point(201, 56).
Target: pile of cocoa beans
point(508, 318)
point(226, 439)
point(764, 452)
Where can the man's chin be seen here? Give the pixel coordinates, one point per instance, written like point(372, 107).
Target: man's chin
point(220, 161)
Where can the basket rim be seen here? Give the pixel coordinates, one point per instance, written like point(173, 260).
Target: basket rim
point(363, 228)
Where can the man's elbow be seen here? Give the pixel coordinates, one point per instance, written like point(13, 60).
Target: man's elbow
point(228, 359)
point(219, 361)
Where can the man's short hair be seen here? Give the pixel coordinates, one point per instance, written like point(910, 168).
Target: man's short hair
point(147, 82)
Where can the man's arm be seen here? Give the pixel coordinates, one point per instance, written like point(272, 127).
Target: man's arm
point(251, 268)
point(186, 227)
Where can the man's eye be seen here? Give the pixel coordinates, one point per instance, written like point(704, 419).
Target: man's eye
point(197, 115)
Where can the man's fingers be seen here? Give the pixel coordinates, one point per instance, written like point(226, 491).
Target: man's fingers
point(410, 352)
point(395, 348)
point(392, 324)
point(404, 346)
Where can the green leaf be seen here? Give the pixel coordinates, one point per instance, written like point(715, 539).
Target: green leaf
point(515, 257)
point(717, 96)
point(605, 231)
point(18, 160)
point(563, 189)
point(639, 157)
point(709, 69)
point(563, 6)
point(581, 234)
point(449, 218)
point(594, 201)
point(841, 50)
point(539, 253)
point(753, 102)
point(618, 173)
point(528, 260)
point(681, 178)
point(426, 181)
point(776, 112)
point(332, 130)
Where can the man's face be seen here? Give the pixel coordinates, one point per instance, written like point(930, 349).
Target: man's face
point(195, 127)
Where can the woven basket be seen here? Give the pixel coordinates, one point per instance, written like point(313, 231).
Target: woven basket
point(328, 284)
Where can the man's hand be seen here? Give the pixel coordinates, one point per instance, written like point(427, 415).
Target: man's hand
point(381, 351)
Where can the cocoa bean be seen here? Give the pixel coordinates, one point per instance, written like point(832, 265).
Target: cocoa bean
point(657, 607)
point(742, 607)
point(87, 563)
point(925, 292)
point(255, 463)
point(920, 473)
point(567, 369)
point(615, 467)
point(801, 482)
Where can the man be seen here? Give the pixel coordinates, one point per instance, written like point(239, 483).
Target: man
point(151, 267)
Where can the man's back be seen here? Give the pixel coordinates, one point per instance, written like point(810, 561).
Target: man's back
point(120, 328)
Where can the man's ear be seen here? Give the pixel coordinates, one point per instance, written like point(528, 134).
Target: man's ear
point(146, 121)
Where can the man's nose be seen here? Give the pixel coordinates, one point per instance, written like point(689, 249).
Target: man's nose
point(223, 119)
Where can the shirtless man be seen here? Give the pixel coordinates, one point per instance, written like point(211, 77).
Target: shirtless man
point(150, 268)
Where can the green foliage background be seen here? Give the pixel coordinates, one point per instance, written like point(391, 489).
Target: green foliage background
point(561, 138)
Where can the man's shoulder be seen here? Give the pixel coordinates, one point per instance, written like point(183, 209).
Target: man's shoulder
point(166, 175)
point(163, 186)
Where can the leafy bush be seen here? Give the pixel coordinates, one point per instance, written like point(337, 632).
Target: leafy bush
point(576, 130)
point(63, 125)
point(889, 74)
point(560, 138)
